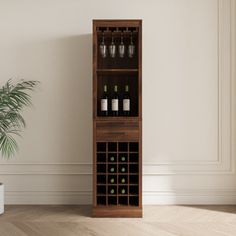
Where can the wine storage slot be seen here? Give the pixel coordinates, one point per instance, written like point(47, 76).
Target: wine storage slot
point(112, 168)
point(117, 101)
point(133, 157)
point(101, 179)
point(123, 147)
point(123, 157)
point(101, 189)
point(133, 179)
point(133, 168)
point(123, 168)
point(101, 147)
point(101, 168)
point(123, 189)
point(134, 201)
point(112, 179)
point(123, 200)
point(123, 179)
point(133, 189)
point(133, 147)
point(112, 147)
point(112, 200)
point(112, 157)
point(101, 200)
point(101, 157)
point(112, 190)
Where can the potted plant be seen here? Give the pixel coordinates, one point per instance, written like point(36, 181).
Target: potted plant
point(13, 98)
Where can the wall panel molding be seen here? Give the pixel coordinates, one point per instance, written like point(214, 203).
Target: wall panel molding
point(86, 169)
point(224, 160)
point(184, 196)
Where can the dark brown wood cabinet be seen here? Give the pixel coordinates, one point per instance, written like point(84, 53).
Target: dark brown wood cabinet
point(117, 140)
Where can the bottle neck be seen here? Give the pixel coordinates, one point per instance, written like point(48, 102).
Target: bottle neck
point(115, 89)
point(105, 89)
point(126, 88)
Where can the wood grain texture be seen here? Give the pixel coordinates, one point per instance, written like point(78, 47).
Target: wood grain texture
point(122, 130)
point(158, 220)
point(113, 71)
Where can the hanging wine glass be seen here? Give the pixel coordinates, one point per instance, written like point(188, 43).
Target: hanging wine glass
point(103, 47)
point(112, 47)
point(131, 47)
point(121, 47)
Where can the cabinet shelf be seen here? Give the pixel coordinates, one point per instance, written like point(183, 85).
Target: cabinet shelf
point(119, 195)
point(117, 118)
point(117, 163)
point(115, 184)
point(117, 71)
point(104, 173)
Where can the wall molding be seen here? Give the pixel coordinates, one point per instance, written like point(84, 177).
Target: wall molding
point(224, 161)
point(48, 197)
point(183, 196)
point(86, 170)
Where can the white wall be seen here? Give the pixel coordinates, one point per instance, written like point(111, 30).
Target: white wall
point(188, 98)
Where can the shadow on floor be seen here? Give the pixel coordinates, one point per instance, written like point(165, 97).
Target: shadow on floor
point(49, 212)
point(218, 208)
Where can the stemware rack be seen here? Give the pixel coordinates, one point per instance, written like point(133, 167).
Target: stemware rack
point(117, 141)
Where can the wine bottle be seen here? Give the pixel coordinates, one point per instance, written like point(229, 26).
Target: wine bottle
point(126, 101)
point(112, 190)
point(122, 169)
point(123, 158)
point(112, 169)
point(104, 102)
point(112, 158)
point(112, 180)
point(115, 102)
point(123, 180)
point(122, 191)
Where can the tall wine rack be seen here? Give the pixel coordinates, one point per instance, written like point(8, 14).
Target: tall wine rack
point(117, 140)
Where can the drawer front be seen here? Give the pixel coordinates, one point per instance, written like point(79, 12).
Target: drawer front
point(119, 130)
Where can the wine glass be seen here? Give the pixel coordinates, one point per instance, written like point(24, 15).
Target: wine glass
point(121, 47)
point(131, 47)
point(103, 47)
point(112, 47)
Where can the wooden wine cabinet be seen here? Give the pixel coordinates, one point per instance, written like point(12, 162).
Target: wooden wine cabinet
point(117, 140)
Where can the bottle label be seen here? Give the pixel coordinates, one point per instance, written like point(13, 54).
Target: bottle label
point(126, 104)
point(114, 105)
point(104, 105)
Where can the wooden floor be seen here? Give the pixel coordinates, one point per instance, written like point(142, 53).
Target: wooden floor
point(157, 221)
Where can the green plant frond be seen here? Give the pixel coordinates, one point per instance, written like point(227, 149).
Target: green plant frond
point(25, 85)
point(15, 119)
point(5, 125)
point(13, 98)
point(8, 145)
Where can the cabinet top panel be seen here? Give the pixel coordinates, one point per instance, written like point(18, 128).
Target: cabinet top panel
point(120, 23)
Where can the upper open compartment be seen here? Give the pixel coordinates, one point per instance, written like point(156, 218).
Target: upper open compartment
point(117, 48)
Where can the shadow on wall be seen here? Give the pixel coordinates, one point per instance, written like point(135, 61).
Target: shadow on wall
point(61, 127)
point(74, 103)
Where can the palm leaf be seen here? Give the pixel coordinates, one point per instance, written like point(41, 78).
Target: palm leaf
point(13, 98)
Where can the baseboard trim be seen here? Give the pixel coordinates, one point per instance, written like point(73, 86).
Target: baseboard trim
point(189, 197)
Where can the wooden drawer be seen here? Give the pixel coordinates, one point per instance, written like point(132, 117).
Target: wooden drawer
point(117, 130)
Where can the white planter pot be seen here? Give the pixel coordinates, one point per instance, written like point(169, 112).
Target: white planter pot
point(1, 198)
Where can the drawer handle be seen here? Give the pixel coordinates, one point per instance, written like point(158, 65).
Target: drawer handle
point(118, 133)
